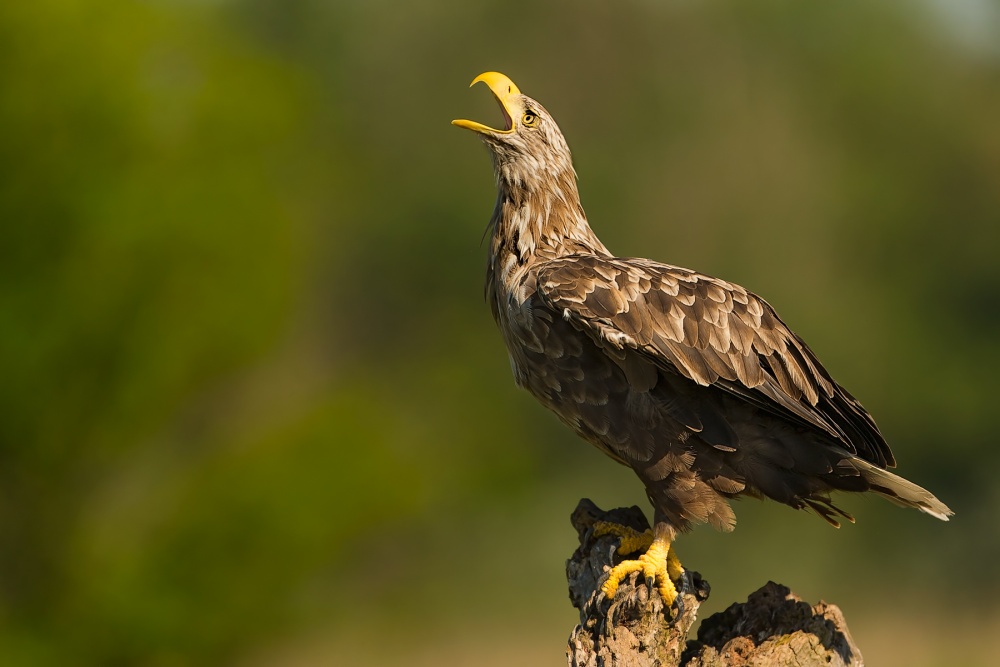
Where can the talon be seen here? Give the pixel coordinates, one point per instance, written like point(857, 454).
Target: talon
point(659, 564)
point(682, 584)
point(680, 605)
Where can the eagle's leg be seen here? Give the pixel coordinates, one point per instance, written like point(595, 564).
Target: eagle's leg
point(659, 563)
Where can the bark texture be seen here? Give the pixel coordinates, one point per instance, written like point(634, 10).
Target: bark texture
point(773, 627)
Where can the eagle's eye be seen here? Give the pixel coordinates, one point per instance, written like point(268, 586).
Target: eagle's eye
point(530, 119)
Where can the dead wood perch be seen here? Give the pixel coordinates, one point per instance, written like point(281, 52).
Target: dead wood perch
point(773, 627)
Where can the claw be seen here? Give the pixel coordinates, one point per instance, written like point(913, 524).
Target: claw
point(683, 585)
point(655, 566)
point(658, 564)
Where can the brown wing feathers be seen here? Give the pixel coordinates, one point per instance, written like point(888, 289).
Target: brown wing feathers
point(712, 332)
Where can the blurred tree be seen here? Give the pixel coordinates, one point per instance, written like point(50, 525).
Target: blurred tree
point(147, 246)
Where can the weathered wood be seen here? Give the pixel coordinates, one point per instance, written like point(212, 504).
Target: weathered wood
point(633, 629)
point(773, 627)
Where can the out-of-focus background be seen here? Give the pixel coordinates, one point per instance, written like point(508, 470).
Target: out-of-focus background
point(253, 410)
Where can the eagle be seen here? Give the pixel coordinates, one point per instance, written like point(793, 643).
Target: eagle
point(693, 382)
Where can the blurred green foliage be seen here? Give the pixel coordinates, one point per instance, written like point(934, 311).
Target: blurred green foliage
point(254, 410)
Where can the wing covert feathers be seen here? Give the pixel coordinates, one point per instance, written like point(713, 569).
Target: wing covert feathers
point(712, 332)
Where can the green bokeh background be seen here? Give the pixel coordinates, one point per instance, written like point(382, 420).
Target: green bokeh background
point(253, 410)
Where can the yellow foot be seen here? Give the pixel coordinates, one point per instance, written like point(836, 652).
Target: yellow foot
point(631, 539)
point(659, 563)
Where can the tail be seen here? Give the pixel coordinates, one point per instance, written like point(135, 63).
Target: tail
point(897, 490)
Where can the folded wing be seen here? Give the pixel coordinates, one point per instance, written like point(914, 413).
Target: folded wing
point(710, 332)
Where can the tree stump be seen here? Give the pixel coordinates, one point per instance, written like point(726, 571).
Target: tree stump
point(773, 627)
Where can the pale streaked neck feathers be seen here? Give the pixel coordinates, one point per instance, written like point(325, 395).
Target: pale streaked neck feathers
point(538, 215)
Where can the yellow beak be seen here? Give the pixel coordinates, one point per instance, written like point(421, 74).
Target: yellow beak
point(507, 95)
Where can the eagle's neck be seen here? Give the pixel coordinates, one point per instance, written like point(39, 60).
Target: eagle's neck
point(537, 217)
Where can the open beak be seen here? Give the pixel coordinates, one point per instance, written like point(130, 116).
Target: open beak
point(507, 95)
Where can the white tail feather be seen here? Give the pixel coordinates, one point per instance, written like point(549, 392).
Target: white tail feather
point(902, 492)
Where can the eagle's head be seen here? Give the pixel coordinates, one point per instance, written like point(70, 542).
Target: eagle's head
point(530, 146)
